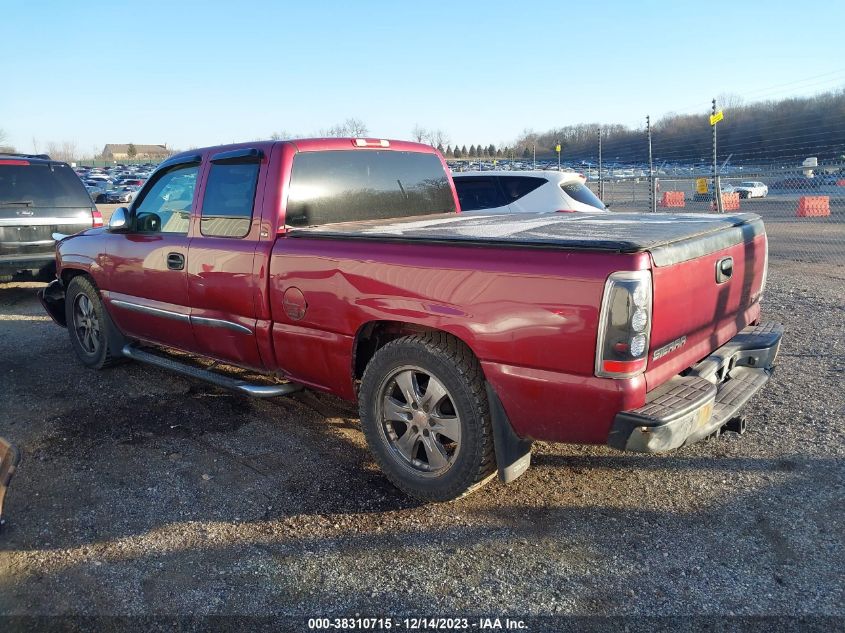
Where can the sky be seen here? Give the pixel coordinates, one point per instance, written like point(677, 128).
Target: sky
point(191, 74)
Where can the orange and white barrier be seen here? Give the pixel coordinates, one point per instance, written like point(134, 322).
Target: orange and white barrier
point(673, 199)
point(813, 207)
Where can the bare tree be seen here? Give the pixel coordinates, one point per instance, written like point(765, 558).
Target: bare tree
point(350, 127)
point(65, 151)
point(282, 135)
point(438, 138)
point(3, 138)
point(730, 101)
point(419, 133)
point(356, 127)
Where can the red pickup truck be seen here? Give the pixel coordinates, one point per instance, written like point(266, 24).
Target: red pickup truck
point(344, 265)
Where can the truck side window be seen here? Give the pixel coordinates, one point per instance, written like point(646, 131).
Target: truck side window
point(229, 198)
point(166, 205)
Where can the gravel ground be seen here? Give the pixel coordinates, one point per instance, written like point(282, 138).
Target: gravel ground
point(144, 493)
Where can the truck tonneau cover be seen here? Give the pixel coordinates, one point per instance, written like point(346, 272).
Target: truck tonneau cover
point(670, 237)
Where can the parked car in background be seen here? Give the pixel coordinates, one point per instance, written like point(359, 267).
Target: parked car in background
point(121, 195)
point(499, 192)
point(752, 189)
point(97, 189)
point(39, 197)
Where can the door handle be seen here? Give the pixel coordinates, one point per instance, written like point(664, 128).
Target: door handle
point(724, 269)
point(175, 261)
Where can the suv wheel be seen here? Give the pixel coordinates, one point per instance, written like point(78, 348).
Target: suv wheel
point(425, 416)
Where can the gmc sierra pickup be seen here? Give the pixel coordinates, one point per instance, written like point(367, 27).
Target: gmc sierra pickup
point(344, 265)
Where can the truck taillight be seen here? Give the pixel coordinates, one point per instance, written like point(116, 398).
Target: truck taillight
point(624, 325)
point(96, 218)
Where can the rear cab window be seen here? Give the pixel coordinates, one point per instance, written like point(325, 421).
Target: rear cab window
point(581, 193)
point(354, 185)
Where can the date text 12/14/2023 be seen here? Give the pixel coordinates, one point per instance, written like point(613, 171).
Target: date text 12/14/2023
point(417, 624)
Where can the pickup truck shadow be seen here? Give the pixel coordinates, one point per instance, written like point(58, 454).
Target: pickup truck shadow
point(595, 558)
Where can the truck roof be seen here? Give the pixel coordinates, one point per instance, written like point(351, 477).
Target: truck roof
point(313, 145)
point(670, 238)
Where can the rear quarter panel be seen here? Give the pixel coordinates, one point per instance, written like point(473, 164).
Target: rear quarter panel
point(522, 311)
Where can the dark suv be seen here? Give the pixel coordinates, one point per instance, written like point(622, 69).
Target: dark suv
point(38, 197)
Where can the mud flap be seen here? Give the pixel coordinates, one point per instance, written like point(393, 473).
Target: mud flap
point(513, 454)
point(9, 458)
point(52, 298)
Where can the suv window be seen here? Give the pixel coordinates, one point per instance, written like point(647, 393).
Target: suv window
point(42, 185)
point(516, 187)
point(349, 185)
point(478, 192)
point(166, 203)
point(581, 193)
point(228, 201)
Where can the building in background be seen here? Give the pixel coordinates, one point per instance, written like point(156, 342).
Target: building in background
point(117, 151)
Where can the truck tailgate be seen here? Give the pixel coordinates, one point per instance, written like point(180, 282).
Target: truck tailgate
point(706, 289)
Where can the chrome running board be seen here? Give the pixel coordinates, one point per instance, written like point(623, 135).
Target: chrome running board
point(255, 390)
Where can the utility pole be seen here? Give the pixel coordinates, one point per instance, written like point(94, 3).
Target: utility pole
point(601, 182)
point(534, 147)
point(717, 188)
point(652, 198)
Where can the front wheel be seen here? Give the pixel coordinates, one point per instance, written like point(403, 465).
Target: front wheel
point(425, 416)
point(92, 333)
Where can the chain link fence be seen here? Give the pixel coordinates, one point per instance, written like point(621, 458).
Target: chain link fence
point(803, 209)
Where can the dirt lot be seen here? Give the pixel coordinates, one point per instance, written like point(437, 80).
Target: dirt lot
point(145, 493)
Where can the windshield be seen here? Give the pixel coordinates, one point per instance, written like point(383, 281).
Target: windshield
point(42, 185)
point(581, 193)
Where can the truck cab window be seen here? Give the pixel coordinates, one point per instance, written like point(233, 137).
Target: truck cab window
point(229, 198)
point(166, 205)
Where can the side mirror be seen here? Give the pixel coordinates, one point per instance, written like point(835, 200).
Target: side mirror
point(119, 220)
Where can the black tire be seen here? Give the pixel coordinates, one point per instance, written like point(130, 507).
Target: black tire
point(93, 335)
point(453, 367)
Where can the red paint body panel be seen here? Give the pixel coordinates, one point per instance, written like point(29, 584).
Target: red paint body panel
point(530, 315)
point(687, 302)
point(562, 407)
point(137, 273)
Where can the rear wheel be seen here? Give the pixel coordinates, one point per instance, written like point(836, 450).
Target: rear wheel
point(92, 332)
point(425, 415)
